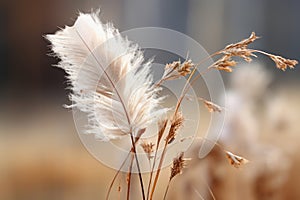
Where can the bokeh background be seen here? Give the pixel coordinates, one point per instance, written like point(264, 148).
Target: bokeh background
point(41, 156)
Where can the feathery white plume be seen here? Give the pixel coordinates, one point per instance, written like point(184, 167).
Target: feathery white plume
point(108, 78)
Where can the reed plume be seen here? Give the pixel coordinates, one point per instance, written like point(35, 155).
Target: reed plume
point(108, 77)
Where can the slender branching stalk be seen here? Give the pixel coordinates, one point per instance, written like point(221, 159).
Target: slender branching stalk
point(119, 170)
point(162, 127)
point(184, 91)
point(158, 170)
point(116, 175)
point(138, 165)
point(167, 189)
point(129, 176)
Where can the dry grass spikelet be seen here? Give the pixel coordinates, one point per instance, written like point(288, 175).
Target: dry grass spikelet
point(177, 69)
point(211, 106)
point(162, 124)
point(235, 160)
point(148, 148)
point(186, 68)
point(283, 63)
point(244, 43)
point(225, 64)
point(240, 52)
point(240, 49)
point(178, 164)
point(176, 124)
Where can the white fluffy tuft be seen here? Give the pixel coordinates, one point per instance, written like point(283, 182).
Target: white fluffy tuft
point(120, 100)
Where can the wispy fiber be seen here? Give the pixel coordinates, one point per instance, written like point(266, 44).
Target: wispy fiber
point(108, 76)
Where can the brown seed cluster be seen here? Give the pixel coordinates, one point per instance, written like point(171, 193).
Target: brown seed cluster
point(178, 164)
point(244, 43)
point(177, 69)
point(148, 148)
point(240, 49)
point(240, 52)
point(225, 64)
point(283, 63)
point(176, 124)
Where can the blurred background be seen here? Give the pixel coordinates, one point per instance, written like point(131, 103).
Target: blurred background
point(41, 156)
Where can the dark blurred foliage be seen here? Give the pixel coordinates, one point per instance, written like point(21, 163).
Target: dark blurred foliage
point(25, 66)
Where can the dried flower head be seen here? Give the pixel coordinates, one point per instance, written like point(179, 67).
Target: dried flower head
point(177, 69)
point(234, 160)
point(283, 63)
point(148, 148)
point(240, 52)
point(225, 64)
point(178, 164)
point(186, 67)
point(109, 80)
point(211, 106)
point(244, 43)
point(176, 124)
point(240, 49)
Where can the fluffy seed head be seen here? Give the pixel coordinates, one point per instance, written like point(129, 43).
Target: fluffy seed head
point(109, 79)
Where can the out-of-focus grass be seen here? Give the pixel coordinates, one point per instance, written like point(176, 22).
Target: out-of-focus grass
point(41, 157)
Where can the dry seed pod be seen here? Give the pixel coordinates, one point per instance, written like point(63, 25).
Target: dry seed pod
point(234, 160)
